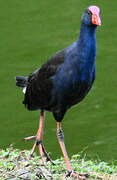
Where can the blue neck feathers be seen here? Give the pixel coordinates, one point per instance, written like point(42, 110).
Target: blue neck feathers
point(87, 43)
point(87, 31)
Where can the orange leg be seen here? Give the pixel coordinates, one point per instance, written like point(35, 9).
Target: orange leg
point(39, 140)
point(70, 173)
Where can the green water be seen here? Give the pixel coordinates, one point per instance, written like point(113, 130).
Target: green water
point(31, 31)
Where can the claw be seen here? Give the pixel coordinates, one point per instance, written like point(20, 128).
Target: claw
point(79, 176)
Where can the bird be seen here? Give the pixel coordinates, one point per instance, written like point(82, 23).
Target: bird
point(62, 82)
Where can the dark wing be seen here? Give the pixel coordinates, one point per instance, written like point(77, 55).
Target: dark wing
point(38, 92)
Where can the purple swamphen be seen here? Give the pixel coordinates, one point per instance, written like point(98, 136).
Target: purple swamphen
point(63, 81)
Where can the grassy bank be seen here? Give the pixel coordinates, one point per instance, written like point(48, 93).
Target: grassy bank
point(16, 164)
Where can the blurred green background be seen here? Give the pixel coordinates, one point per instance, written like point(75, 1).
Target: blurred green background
point(30, 32)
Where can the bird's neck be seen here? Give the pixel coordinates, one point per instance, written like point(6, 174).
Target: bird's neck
point(87, 33)
point(87, 45)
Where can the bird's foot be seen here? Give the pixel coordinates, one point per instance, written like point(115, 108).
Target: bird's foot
point(75, 175)
point(44, 155)
point(46, 158)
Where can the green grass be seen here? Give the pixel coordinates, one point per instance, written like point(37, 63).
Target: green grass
point(16, 164)
point(30, 32)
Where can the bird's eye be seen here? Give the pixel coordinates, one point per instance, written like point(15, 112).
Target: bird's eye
point(89, 12)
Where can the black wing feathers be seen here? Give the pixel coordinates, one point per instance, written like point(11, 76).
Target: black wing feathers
point(38, 93)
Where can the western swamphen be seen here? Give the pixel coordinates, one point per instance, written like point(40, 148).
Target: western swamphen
point(63, 81)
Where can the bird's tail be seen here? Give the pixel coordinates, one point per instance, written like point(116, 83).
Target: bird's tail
point(21, 81)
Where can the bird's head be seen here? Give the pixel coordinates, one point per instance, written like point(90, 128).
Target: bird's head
point(91, 16)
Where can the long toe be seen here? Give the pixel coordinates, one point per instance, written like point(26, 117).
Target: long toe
point(86, 175)
point(78, 176)
point(30, 138)
point(48, 159)
point(44, 155)
point(75, 175)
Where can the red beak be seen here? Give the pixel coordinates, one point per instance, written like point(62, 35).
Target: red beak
point(96, 20)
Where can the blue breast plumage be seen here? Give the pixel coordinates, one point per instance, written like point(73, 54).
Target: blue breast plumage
point(75, 76)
